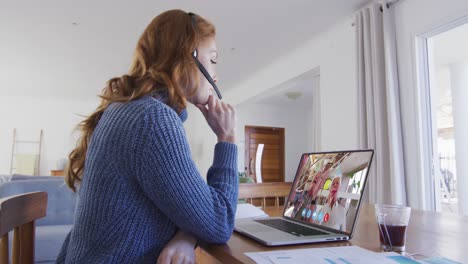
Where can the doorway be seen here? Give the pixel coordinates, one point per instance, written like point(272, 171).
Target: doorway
point(444, 71)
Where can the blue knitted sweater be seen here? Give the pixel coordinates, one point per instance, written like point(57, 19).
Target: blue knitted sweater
point(141, 185)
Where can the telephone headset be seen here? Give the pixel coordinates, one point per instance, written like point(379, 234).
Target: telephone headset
point(200, 66)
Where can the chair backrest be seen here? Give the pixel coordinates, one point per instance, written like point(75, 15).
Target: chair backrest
point(61, 200)
point(264, 191)
point(18, 213)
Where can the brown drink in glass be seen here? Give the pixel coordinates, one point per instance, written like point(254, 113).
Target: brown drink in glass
point(392, 222)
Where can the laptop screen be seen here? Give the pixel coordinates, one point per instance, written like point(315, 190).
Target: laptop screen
point(328, 188)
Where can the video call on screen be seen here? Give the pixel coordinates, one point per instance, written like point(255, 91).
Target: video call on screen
point(327, 188)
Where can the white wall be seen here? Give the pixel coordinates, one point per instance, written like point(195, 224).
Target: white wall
point(309, 118)
point(413, 18)
point(292, 119)
point(334, 52)
point(57, 118)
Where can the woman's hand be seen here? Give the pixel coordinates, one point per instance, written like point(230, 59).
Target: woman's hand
point(221, 117)
point(180, 250)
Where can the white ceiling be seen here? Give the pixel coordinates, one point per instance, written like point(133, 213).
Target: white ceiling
point(302, 84)
point(44, 54)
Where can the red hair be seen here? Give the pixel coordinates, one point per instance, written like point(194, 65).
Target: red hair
point(162, 63)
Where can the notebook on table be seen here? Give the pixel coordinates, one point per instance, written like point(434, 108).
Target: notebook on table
point(323, 202)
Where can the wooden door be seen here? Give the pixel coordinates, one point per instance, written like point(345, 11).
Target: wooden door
point(272, 164)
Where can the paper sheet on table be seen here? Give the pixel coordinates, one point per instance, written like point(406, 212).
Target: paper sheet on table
point(327, 255)
point(438, 260)
point(248, 210)
point(422, 259)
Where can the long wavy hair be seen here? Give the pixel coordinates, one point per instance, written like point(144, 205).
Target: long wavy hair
point(162, 63)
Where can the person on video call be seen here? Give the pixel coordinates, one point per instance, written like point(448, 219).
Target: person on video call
point(310, 196)
point(333, 213)
point(141, 197)
point(305, 200)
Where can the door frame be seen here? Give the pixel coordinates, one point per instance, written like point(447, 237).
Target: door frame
point(428, 150)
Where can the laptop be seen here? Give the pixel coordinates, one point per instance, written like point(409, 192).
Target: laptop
point(323, 203)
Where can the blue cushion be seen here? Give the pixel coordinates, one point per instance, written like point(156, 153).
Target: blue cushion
point(19, 177)
point(49, 240)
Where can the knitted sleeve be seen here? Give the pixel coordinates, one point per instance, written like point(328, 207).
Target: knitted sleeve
point(169, 177)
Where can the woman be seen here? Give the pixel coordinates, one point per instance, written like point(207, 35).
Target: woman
point(141, 197)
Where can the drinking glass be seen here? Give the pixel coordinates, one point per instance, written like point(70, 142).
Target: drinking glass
point(392, 221)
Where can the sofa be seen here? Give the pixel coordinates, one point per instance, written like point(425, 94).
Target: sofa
point(52, 229)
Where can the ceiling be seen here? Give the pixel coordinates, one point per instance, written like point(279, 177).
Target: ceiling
point(70, 48)
point(296, 92)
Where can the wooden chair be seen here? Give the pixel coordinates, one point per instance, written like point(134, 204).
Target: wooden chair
point(265, 190)
point(18, 213)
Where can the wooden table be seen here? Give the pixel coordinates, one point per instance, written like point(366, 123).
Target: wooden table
point(429, 234)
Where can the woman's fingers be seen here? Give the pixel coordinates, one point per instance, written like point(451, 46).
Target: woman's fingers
point(221, 117)
point(164, 258)
point(211, 102)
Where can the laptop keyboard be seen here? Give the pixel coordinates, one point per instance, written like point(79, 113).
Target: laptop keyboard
point(290, 227)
